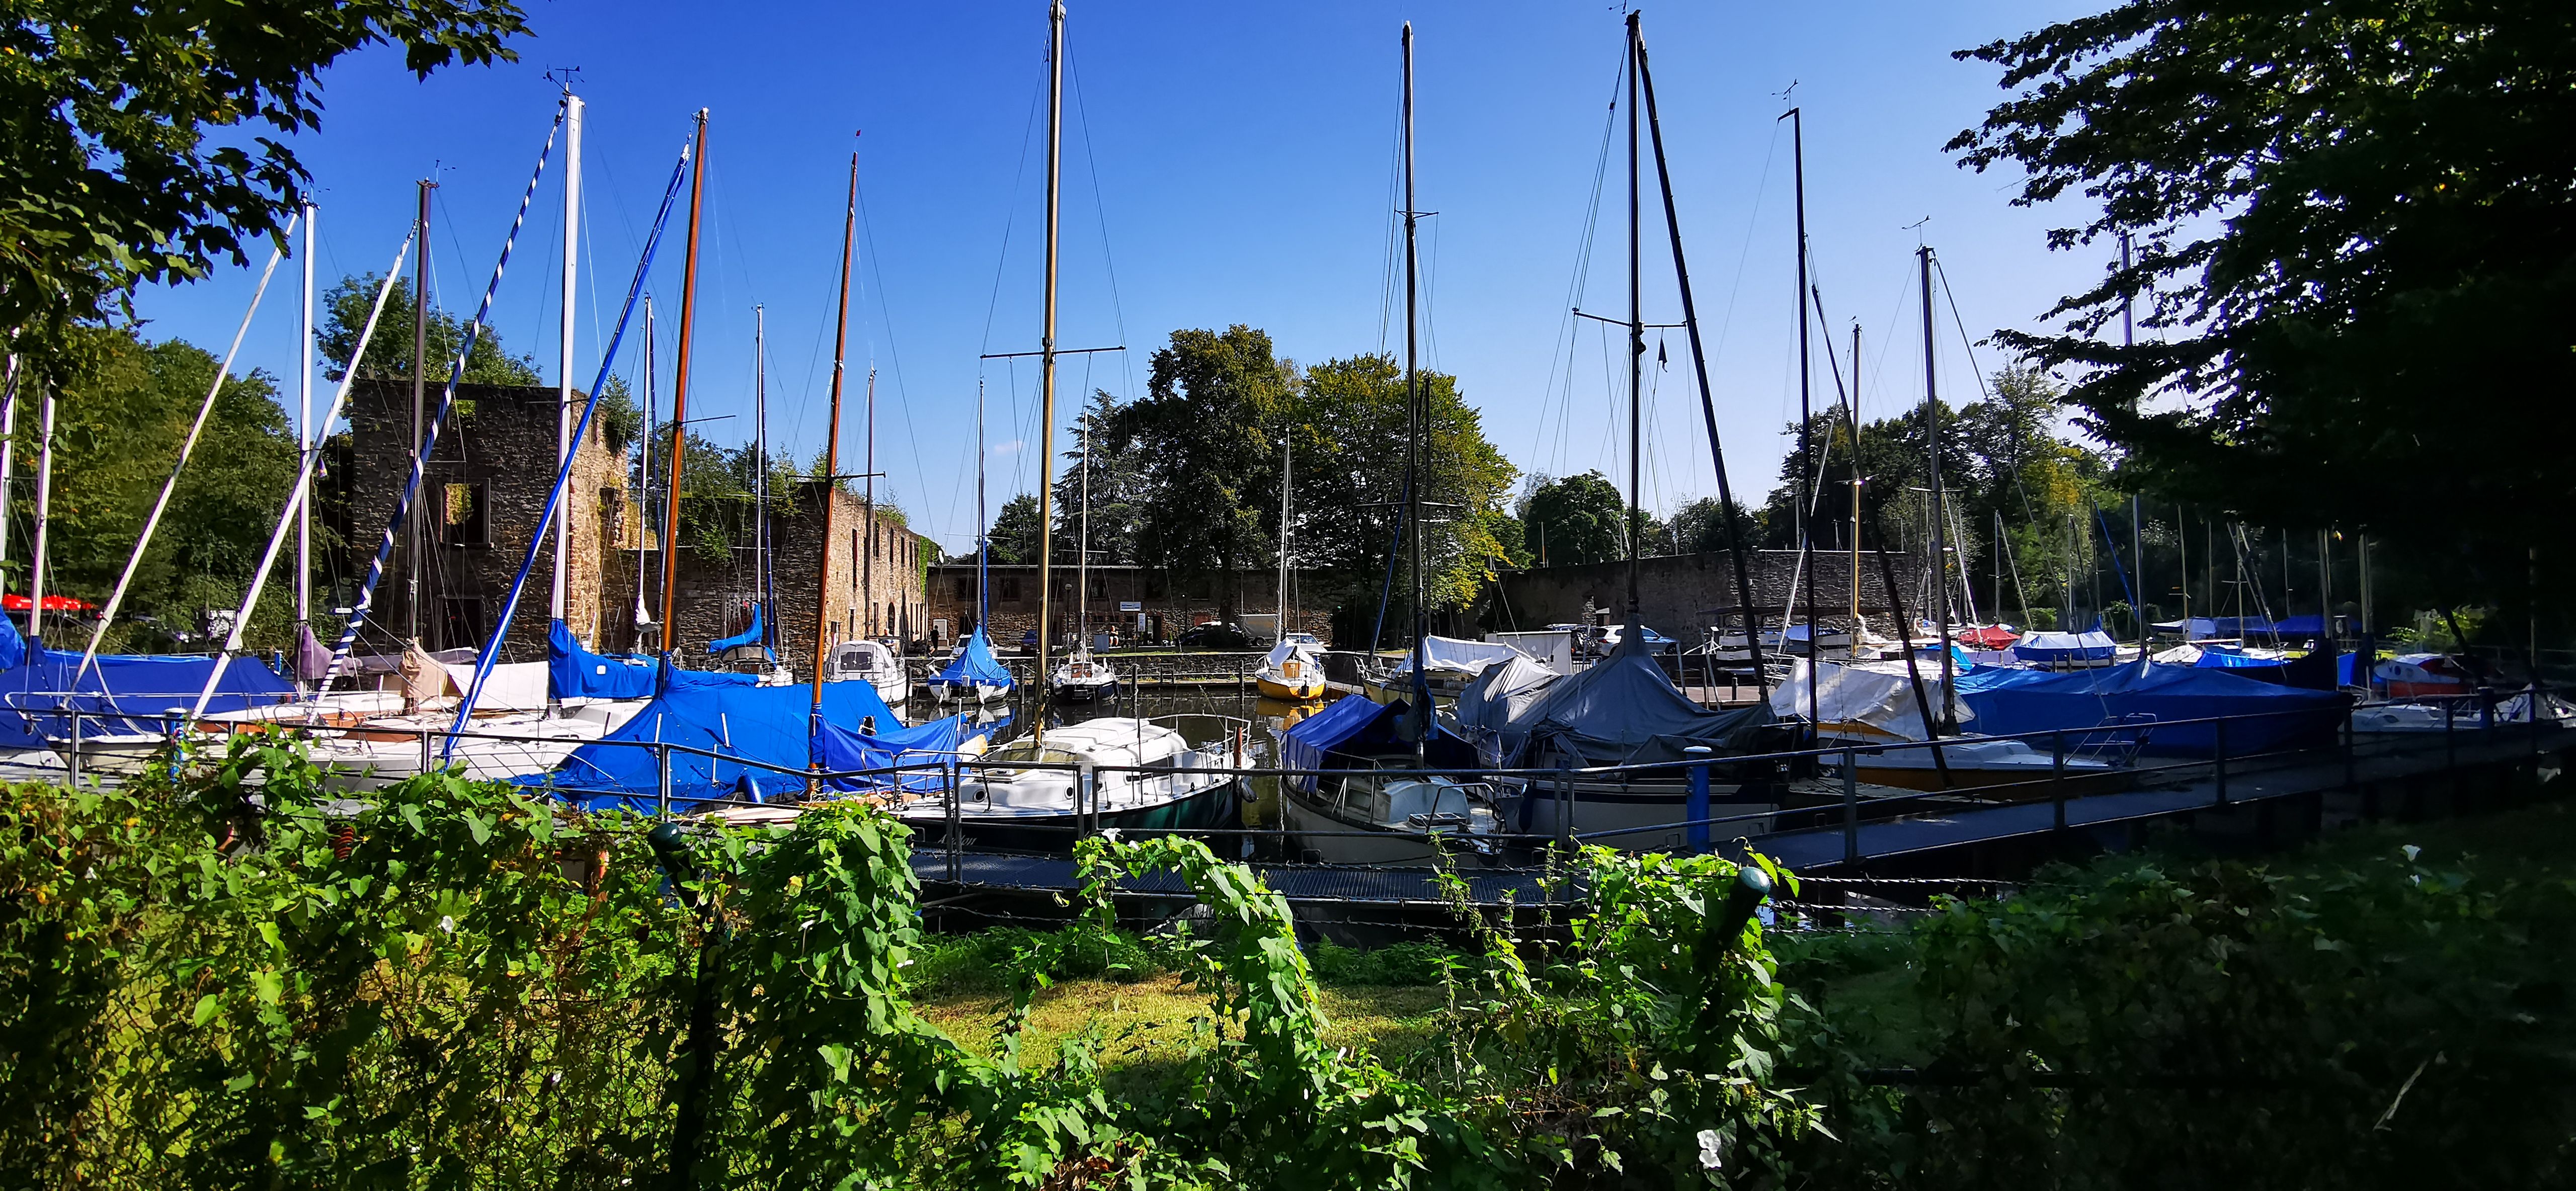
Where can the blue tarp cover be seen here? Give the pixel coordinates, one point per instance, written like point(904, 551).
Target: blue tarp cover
point(2216, 658)
point(2311, 625)
point(721, 714)
point(2203, 628)
point(33, 693)
point(2008, 701)
point(749, 636)
point(842, 750)
point(576, 673)
point(2091, 645)
point(974, 665)
point(1354, 726)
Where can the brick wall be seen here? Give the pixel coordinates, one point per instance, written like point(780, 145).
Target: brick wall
point(1680, 595)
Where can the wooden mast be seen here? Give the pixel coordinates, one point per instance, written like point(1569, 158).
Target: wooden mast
point(832, 452)
point(1046, 357)
point(680, 397)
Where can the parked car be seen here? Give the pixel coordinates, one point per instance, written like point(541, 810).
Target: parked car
point(1214, 635)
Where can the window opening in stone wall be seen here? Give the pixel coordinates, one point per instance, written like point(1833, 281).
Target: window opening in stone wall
point(460, 622)
point(462, 517)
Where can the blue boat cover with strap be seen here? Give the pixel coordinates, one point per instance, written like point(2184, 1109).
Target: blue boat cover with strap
point(974, 665)
point(37, 696)
point(844, 751)
point(755, 731)
point(576, 673)
point(2008, 701)
point(749, 636)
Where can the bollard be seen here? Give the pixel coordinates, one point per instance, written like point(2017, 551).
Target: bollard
point(2057, 777)
point(2220, 763)
point(1697, 809)
point(1851, 804)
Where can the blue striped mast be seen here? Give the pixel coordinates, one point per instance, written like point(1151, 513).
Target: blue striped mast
point(446, 401)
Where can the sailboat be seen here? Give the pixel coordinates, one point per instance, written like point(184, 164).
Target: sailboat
point(1030, 792)
point(1083, 678)
point(973, 674)
point(1294, 671)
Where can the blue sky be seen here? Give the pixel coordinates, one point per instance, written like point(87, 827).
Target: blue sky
point(1224, 164)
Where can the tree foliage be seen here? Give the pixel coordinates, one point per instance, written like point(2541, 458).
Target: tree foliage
point(129, 135)
point(2350, 217)
point(117, 433)
point(1575, 520)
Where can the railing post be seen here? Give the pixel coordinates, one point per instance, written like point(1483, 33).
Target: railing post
point(1086, 792)
point(950, 770)
point(1565, 805)
point(2350, 763)
point(424, 750)
point(1851, 803)
point(662, 779)
point(2450, 742)
point(1697, 807)
point(72, 763)
point(2057, 777)
point(2220, 761)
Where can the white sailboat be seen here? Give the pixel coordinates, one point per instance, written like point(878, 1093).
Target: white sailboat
point(1083, 678)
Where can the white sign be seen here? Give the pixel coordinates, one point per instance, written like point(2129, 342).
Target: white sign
point(1131, 605)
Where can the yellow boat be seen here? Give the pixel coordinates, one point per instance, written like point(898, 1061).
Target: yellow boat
point(1292, 673)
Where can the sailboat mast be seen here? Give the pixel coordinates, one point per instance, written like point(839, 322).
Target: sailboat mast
point(1940, 538)
point(832, 452)
point(1636, 335)
point(983, 528)
point(2137, 538)
point(760, 474)
point(1082, 568)
point(1287, 462)
point(644, 475)
point(419, 406)
point(44, 518)
point(563, 373)
point(1851, 422)
point(868, 499)
point(1699, 368)
point(680, 397)
point(1046, 354)
point(1413, 418)
point(305, 435)
point(1808, 471)
point(9, 460)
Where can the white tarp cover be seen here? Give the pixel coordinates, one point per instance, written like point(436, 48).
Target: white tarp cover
point(1457, 656)
point(513, 686)
point(1881, 697)
point(1554, 648)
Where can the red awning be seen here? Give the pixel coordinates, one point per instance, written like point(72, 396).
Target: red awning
point(53, 603)
point(1990, 637)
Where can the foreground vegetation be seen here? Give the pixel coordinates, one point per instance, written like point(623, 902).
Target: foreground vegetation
point(460, 986)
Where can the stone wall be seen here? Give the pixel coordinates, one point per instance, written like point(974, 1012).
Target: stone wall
point(482, 494)
point(1680, 595)
point(874, 583)
point(1166, 607)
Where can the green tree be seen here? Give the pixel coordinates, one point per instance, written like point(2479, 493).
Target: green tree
point(1349, 431)
point(389, 349)
point(117, 432)
point(2346, 215)
point(1701, 527)
point(1015, 532)
point(1116, 491)
point(1575, 520)
point(116, 172)
point(1203, 435)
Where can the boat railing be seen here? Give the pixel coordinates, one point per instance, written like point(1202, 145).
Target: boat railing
point(2473, 716)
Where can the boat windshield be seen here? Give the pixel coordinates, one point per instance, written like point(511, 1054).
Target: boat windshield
point(1021, 753)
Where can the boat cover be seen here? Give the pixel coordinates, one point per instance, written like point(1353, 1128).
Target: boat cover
point(1883, 698)
point(725, 714)
point(974, 665)
point(1353, 726)
point(37, 697)
point(1993, 636)
point(2049, 649)
point(1502, 694)
point(2012, 701)
point(1625, 711)
point(749, 636)
point(2222, 657)
point(311, 661)
point(576, 673)
point(1460, 656)
point(2311, 625)
point(844, 751)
